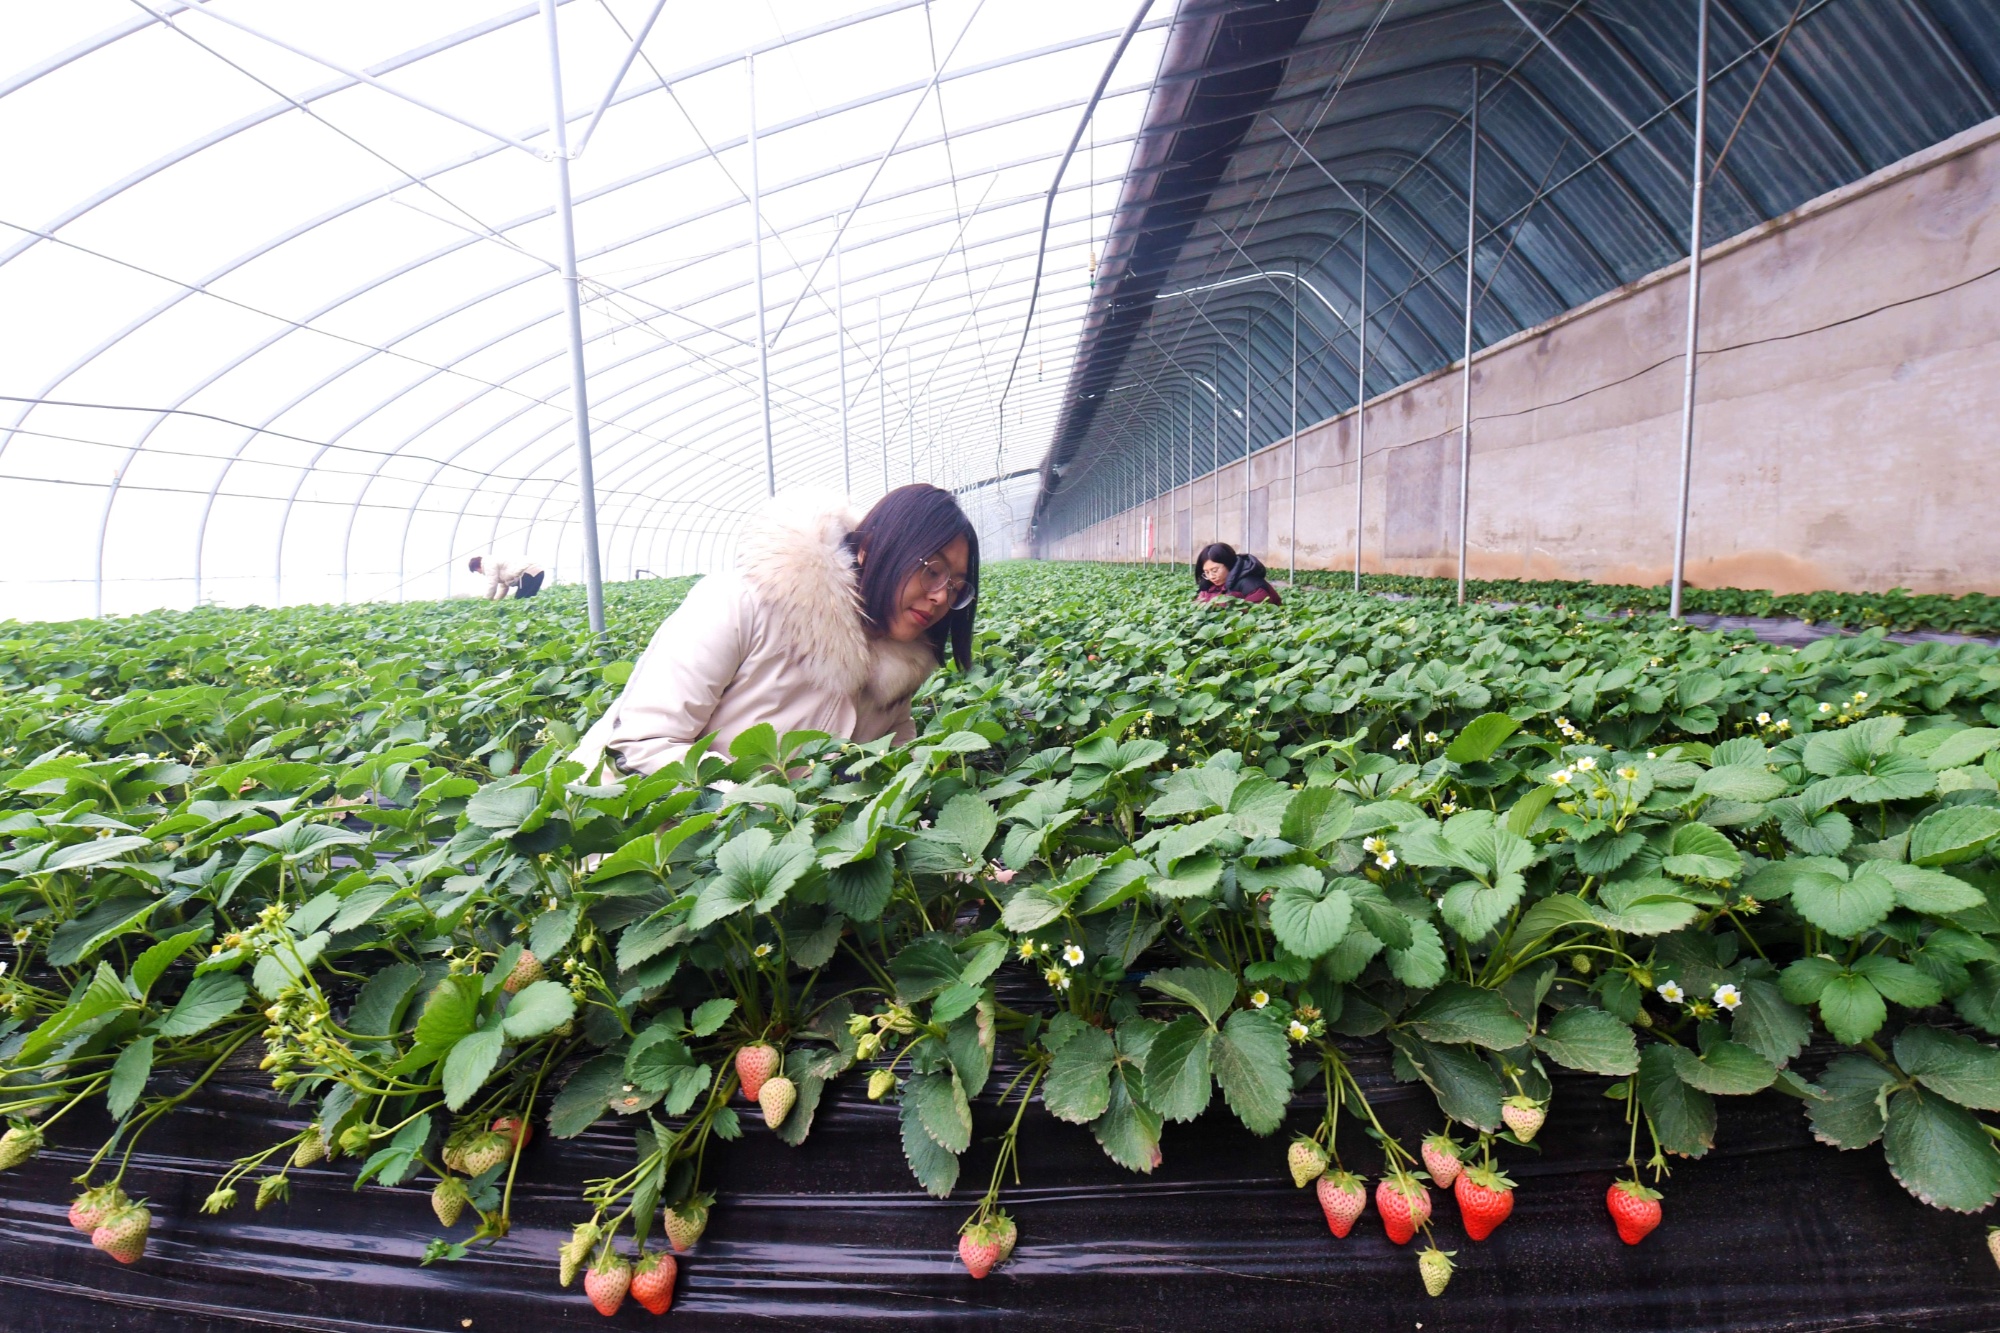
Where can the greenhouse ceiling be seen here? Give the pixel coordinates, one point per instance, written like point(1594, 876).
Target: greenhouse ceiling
point(285, 312)
point(1314, 134)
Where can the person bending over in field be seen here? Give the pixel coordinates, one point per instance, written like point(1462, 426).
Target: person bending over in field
point(1220, 572)
point(503, 578)
point(829, 623)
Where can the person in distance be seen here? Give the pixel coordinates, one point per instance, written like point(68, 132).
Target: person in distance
point(1220, 572)
point(523, 580)
point(829, 622)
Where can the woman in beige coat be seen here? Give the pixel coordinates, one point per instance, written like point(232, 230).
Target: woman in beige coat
point(828, 623)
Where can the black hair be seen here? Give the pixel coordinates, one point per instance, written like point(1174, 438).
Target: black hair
point(473, 564)
point(906, 527)
point(1221, 553)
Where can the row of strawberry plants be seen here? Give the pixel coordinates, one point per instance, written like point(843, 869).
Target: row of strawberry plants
point(1237, 846)
point(1897, 610)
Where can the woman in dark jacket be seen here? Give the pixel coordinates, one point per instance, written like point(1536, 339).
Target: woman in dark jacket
point(1220, 572)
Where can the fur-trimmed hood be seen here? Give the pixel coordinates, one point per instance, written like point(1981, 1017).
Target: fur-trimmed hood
point(793, 558)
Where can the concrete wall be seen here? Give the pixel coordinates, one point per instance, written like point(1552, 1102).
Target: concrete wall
point(1848, 396)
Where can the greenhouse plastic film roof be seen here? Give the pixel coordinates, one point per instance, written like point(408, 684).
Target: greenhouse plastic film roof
point(284, 313)
point(1278, 128)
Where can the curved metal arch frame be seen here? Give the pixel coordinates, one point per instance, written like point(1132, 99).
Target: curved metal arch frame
point(511, 382)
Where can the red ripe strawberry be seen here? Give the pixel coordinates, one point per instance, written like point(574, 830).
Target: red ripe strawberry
point(653, 1281)
point(986, 1243)
point(685, 1222)
point(1307, 1161)
point(94, 1205)
point(1524, 1115)
point(123, 1234)
point(754, 1064)
point(606, 1283)
point(517, 1131)
point(527, 970)
point(1635, 1209)
point(1441, 1159)
point(1404, 1204)
point(1485, 1198)
point(1342, 1196)
point(776, 1098)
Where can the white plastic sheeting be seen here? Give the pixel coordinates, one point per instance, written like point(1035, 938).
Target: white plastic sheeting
point(281, 314)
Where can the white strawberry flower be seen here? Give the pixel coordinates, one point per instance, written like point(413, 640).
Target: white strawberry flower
point(1586, 764)
point(1056, 977)
point(1562, 777)
point(1628, 773)
point(1763, 719)
point(1073, 954)
point(1386, 860)
point(1671, 992)
point(1826, 708)
point(1374, 846)
point(1402, 742)
point(1027, 951)
point(1258, 999)
point(1430, 738)
point(1860, 696)
point(1297, 1031)
point(1728, 997)
point(762, 951)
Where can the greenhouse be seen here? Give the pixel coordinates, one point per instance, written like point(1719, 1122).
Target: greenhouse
point(1183, 664)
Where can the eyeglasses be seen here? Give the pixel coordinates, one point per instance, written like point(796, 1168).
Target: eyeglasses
point(932, 576)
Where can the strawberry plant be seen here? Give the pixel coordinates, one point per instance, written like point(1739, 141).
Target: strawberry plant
point(1146, 862)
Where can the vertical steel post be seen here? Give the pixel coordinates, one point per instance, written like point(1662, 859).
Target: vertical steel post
point(1694, 303)
point(1471, 235)
point(1249, 326)
point(757, 257)
point(840, 344)
point(586, 481)
point(881, 397)
point(1190, 468)
point(1361, 395)
point(1215, 442)
point(1292, 530)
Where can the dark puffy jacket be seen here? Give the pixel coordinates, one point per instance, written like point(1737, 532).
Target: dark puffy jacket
point(1247, 581)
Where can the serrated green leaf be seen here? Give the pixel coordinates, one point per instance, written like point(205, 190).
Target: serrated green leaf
point(1590, 1040)
point(935, 1168)
point(1208, 989)
point(1467, 1089)
point(469, 1063)
point(1456, 1013)
point(942, 1108)
point(1311, 921)
point(1252, 1065)
point(1769, 1024)
point(207, 1001)
point(1844, 908)
point(1480, 738)
point(1955, 1066)
point(1940, 1152)
point(1422, 965)
point(128, 1077)
point(1851, 1008)
point(1683, 1116)
point(1178, 1083)
point(1077, 1088)
point(1848, 1110)
point(1726, 1068)
point(1129, 1130)
point(539, 1007)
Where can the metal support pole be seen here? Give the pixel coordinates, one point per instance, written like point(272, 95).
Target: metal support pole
point(1215, 446)
point(881, 397)
point(1471, 236)
point(1292, 529)
point(1694, 303)
point(757, 257)
point(1248, 369)
point(586, 482)
point(1190, 470)
point(840, 344)
point(1361, 400)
